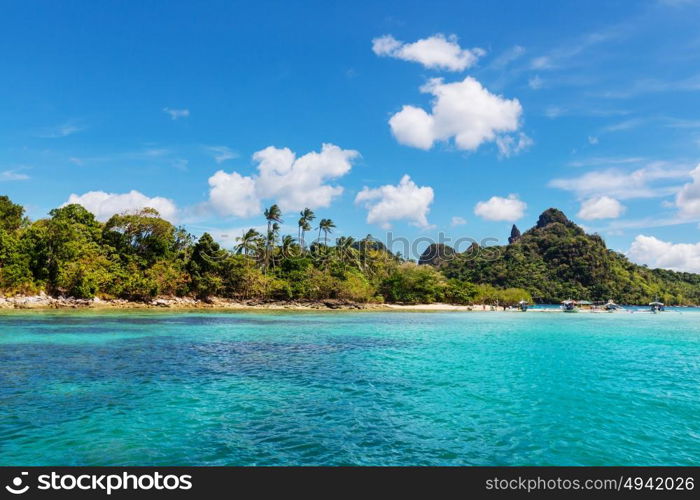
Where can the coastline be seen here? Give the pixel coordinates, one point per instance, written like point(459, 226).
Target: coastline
point(46, 302)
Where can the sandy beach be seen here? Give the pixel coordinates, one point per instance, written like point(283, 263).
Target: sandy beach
point(44, 301)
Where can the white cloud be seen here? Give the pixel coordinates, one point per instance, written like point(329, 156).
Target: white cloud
point(177, 113)
point(464, 111)
point(653, 85)
point(294, 183)
point(233, 194)
point(597, 161)
point(435, 52)
point(457, 221)
point(301, 182)
point(657, 253)
point(104, 205)
point(413, 127)
point(229, 236)
point(542, 62)
point(554, 112)
point(12, 175)
point(563, 54)
point(535, 83)
point(509, 145)
point(677, 3)
point(63, 130)
point(624, 125)
point(508, 57)
point(592, 140)
point(688, 198)
point(405, 201)
point(640, 183)
point(498, 208)
point(180, 164)
point(221, 153)
point(601, 207)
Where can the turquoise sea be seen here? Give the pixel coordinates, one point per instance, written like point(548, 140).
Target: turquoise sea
point(337, 388)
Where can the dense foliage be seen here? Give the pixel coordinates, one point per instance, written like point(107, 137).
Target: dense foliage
point(139, 256)
point(557, 260)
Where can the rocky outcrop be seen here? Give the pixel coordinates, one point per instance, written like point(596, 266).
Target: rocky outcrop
point(550, 216)
point(435, 254)
point(514, 235)
point(43, 301)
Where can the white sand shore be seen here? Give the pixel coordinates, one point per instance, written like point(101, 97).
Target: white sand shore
point(44, 301)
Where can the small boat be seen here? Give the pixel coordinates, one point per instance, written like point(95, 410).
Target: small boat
point(610, 306)
point(569, 306)
point(522, 305)
point(657, 307)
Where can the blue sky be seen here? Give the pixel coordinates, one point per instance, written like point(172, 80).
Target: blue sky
point(452, 117)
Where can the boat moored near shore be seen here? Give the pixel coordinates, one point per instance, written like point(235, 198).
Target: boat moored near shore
point(657, 307)
point(610, 306)
point(569, 306)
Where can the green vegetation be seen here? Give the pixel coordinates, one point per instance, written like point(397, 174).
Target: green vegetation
point(139, 256)
point(557, 260)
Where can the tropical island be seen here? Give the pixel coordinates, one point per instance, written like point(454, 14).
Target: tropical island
point(71, 259)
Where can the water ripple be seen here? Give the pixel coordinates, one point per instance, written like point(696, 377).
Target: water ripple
point(349, 388)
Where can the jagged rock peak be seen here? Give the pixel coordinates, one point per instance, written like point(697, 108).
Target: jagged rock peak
point(552, 215)
point(514, 235)
point(435, 253)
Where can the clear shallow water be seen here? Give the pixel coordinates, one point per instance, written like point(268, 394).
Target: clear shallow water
point(349, 388)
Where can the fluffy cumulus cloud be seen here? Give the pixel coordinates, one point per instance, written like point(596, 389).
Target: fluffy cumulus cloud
point(498, 208)
point(233, 194)
point(405, 201)
point(104, 205)
point(463, 111)
point(688, 198)
point(658, 253)
point(435, 52)
point(601, 207)
point(292, 182)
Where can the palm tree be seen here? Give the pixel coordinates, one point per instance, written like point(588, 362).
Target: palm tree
point(306, 227)
point(260, 250)
point(287, 246)
point(273, 216)
point(307, 216)
point(326, 225)
point(270, 243)
point(344, 248)
point(247, 242)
